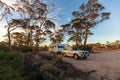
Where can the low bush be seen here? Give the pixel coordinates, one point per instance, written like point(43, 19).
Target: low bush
point(82, 47)
point(10, 66)
point(48, 68)
point(57, 69)
point(34, 67)
point(4, 48)
point(25, 49)
point(44, 48)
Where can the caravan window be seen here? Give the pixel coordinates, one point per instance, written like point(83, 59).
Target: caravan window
point(60, 46)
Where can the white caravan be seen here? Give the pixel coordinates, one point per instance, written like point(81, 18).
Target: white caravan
point(56, 48)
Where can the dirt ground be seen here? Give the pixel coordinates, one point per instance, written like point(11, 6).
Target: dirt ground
point(100, 66)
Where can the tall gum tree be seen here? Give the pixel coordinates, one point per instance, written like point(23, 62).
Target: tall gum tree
point(88, 16)
point(6, 13)
point(36, 22)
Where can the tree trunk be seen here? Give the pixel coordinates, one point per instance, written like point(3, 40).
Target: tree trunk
point(9, 38)
point(86, 36)
point(77, 42)
point(8, 34)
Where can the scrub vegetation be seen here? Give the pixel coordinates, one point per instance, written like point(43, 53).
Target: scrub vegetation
point(28, 66)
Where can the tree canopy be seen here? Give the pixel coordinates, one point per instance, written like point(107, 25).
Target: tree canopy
point(88, 16)
point(37, 27)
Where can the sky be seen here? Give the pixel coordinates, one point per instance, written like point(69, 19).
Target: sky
point(106, 31)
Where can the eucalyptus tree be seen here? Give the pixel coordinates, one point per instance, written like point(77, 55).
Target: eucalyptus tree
point(37, 24)
point(18, 39)
point(24, 9)
point(58, 36)
point(88, 16)
point(10, 27)
point(46, 25)
point(5, 10)
point(6, 14)
point(75, 37)
point(74, 34)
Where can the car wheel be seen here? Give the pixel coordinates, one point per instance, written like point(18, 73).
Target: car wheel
point(76, 56)
point(64, 55)
point(84, 57)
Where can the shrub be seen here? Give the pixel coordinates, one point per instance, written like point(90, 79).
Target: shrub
point(82, 47)
point(4, 48)
point(56, 69)
point(50, 72)
point(48, 68)
point(10, 66)
point(25, 49)
point(7, 73)
point(44, 48)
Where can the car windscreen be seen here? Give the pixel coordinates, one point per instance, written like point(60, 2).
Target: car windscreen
point(67, 48)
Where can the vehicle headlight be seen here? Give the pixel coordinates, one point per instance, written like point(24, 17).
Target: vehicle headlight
point(81, 52)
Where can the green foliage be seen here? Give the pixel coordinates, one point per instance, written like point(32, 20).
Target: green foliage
point(56, 69)
point(58, 37)
point(44, 48)
point(47, 68)
point(84, 19)
point(4, 47)
point(83, 47)
point(10, 66)
point(50, 72)
point(33, 67)
point(7, 73)
point(23, 49)
point(26, 49)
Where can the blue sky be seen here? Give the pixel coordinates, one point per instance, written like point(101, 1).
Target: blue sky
point(107, 31)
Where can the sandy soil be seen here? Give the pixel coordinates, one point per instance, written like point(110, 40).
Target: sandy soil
point(100, 66)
